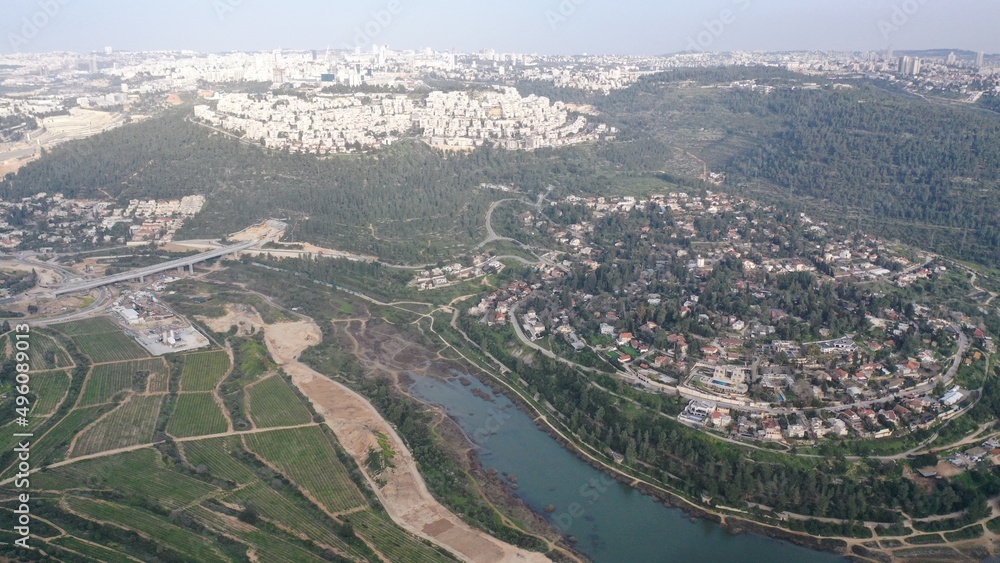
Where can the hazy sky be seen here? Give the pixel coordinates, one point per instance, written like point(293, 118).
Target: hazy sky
point(529, 26)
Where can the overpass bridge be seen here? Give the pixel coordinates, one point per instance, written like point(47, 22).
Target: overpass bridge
point(141, 273)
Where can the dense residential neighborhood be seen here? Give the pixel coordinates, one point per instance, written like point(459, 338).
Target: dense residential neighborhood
point(773, 327)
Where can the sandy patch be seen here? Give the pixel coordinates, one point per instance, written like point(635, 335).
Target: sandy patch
point(355, 421)
point(246, 319)
point(945, 469)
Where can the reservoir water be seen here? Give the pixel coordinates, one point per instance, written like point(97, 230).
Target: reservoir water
point(612, 522)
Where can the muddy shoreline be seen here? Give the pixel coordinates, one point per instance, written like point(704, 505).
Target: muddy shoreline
point(498, 490)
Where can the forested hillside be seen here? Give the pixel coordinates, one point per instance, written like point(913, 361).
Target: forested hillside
point(891, 164)
point(408, 203)
point(898, 165)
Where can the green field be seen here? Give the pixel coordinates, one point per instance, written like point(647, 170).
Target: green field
point(185, 542)
point(94, 325)
point(204, 372)
point(95, 552)
point(43, 352)
point(196, 414)
point(50, 387)
point(290, 480)
point(268, 546)
point(44, 449)
point(216, 455)
point(109, 347)
point(139, 474)
point(306, 456)
point(108, 379)
point(159, 382)
point(132, 423)
point(395, 543)
point(276, 507)
point(272, 403)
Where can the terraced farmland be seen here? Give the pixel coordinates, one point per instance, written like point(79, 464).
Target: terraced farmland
point(109, 347)
point(307, 457)
point(43, 352)
point(158, 383)
point(394, 542)
point(132, 423)
point(43, 451)
point(96, 552)
point(50, 388)
point(272, 403)
point(196, 414)
point(203, 372)
point(7, 431)
point(214, 453)
point(108, 379)
point(138, 474)
point(185, 542)
point(268, 546)
point(274, 506)
point(95, 325)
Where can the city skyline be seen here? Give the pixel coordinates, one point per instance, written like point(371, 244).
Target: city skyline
point(631, 27)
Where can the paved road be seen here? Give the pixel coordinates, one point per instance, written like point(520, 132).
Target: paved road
point(87, 285)
point(491, 235)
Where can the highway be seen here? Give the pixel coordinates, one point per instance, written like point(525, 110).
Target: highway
point(87, 285)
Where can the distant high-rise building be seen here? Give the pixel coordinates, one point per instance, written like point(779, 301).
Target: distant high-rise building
point(980, 56)
point(315, 55)
point(93, 63)
point(888, 54)
point(909, 66)
point(108, 50)
point(950, 61)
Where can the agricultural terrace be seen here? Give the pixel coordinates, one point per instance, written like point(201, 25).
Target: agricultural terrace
point(90, 550)
point(139, 474)
point(132, 423)
point(204, 372)
point(218, 456)
point(50, 389)
point(44, 353)
point(185, 542)
point(95, 325)
point(397, 545)
point(102, 340)
point(293, 515)
point(308, 458)
point(279, 492)
point(196, 414)
point(266, 545)
point(107, 380)
point(52, 446)
point(272, 402)
point(109, 347)
point(187, 511)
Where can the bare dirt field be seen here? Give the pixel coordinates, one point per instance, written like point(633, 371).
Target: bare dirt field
point(246, 320)
point(355, 422)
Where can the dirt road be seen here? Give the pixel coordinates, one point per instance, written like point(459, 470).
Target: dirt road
point(355, 422)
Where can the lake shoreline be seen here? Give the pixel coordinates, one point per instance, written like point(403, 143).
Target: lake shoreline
point(732, 524)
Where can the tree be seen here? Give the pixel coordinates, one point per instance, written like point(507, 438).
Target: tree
point(249, 515)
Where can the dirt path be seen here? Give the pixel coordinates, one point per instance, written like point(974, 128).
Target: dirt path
point(126, 449)
point(355, 421)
